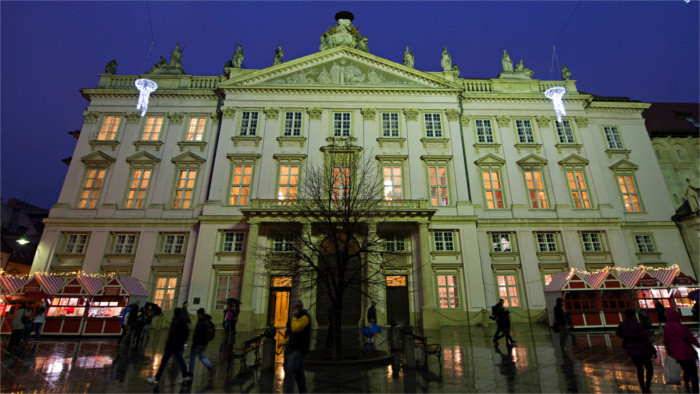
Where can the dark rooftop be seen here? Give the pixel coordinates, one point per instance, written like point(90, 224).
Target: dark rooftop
point(672, 119)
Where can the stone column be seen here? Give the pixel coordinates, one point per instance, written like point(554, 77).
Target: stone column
point(430, 317)
point(246, 319)
point(376, 288)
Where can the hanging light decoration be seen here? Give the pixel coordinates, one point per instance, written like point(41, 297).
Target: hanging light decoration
point(145, 87)
point(555, 94)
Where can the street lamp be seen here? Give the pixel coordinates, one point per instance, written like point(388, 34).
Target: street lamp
point(23, 240)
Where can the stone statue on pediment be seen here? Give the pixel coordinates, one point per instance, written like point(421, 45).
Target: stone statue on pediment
point(111, 67)
point(343, 33)
point(506, 62)
point(521, 69)
point(278, 56)
point(446, 61)
point(237, 61)
point(565, 73)
point(408, 58)
point(176, 57)
point(455, 70)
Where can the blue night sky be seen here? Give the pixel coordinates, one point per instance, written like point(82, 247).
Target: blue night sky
point(645, 50)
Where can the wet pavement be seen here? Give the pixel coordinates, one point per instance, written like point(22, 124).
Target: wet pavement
point(595, 362)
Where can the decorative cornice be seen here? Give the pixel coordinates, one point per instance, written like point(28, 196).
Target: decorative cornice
point(543, 121)
point(411, 113)
point(581, 121)
point(91, 117)
point(176, 117)
point(465, 120)
point(271, 112)
point(503, 120)
point(133, 117)
point(314, 113)
point(214, 115)
point(452, 114)
point(228, 112)
point(369, 113)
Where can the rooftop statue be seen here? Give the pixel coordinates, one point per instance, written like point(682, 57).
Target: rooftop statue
point(343, 33)
point(520, 68)
point(238, 58)
point(565, 73)
point(111, 67)
point(455, 70)
point(172, 68)
point(408, 58)
point(278, 56)
point(446, 61)
point(506, 62)
point(176, 57)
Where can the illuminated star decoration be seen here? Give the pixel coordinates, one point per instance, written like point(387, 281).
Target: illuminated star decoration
point(145, 87)
point(555, 95)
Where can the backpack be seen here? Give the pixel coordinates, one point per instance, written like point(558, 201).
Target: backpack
point(211, 330)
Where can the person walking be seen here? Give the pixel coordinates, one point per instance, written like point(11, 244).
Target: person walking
point(504, 323)
point(635, 340)
point(39, 320)
point(203, 333)
point(495, 315)
point(174, 346)
point(561, 323)
point(372, 314)
point(679, 342)
point(660, 314)
point(298, 340)
point(19, 319)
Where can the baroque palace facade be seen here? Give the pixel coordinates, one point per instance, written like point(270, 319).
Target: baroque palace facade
point(496, 195)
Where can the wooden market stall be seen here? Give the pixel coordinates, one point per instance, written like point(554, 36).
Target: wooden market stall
point(681, 285)
point(67, 311)
point(553, 291)
point(9, 300)
point(614, 296)
point(103, 316)
point(581, 300)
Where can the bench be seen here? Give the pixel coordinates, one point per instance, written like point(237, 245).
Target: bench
point(428, 349)
point(251, 345)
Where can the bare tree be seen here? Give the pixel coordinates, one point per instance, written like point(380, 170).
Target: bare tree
point(337, 254)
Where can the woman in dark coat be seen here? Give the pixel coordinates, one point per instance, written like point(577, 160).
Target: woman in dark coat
point(175, 345)
point(679, 342)
point(635, 340)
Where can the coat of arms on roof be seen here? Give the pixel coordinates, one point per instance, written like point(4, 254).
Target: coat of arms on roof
point(343, 33)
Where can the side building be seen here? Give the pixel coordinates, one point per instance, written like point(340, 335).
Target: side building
point(496, 195)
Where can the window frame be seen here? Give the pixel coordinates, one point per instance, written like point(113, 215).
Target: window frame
point(84, 245)
point(350, 121)
point(84, 187)
point(518, 133)
point(241, 185)
point(188, 124)
point(492, 190)
point(234, 241)
point(138, 189)
point(144, 126)
point(438, 186)
point(288, 186)
point(651, 242)
point(507, 299)
point(283, 242)
point(245, 131)
point(115, 236)
point(625, 205)
point(176, 188)
point(391, 241)
point(608, 141)
point(116, 132)
point(454, 241)
point(510, 239)
point(237, 291)
point(587, 190)
point(392, 165)
point(168, 277)
point(601, 241)
point(433, 115)
point(555, 240)
point(165, 243)
point(557, 126)
point(292, 129)
point(476, 132)
point(456, 286)
point(547, 205)
point(383, 130)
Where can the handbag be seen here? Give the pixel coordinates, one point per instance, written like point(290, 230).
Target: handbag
point(672, 371)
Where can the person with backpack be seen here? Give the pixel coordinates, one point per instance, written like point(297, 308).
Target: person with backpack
point(174, 346)
point(635, 340)
point(204, 332)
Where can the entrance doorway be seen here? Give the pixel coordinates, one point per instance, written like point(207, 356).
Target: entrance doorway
point(278, 307)
point(397, 299)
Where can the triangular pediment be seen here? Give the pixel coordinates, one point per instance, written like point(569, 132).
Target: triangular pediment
point(573, 160)
point(532, 160)
point(340, 67)
point(624, 165)
point(142, 158)
point(188, 158)
point(489, 160)
point(97, 159)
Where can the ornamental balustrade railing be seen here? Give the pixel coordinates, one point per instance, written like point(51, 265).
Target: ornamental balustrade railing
point(278, 205)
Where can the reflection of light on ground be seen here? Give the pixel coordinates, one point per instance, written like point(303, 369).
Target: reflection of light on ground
point(54, 366)
point(520, 357)
point(94, 361)
point(156, 362)
point(453, 359)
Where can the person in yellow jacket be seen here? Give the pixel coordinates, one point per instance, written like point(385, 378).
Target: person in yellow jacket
point(297, 339)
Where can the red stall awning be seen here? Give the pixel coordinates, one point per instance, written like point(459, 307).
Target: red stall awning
point(133, 286)
point(666, 276)
point(557, 282)
point(595, 279)
point(9, 285)
point(630, 278)
point(92, 284)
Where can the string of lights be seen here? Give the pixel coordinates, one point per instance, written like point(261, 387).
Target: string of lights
point(58, 274)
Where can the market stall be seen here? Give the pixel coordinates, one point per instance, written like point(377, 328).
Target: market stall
point(9, 286)
point(553, 291)
point(680, 287)
point(66, 313)
point(103, 315)
point(614, 296)
point(581, 300)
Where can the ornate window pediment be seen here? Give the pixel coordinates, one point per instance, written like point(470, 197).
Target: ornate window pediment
point(187, 158)
point(97, 160)
point(142, 159)
point(573, 160)
point(532, 161)
point(489, 161)
point(623, 165)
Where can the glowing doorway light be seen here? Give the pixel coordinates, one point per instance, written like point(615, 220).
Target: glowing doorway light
point(145, 87)
point(555, 94)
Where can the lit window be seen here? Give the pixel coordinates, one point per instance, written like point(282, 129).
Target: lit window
point(151, 131)
point(390, 124)
point(394, 243)
point(240, 184)
point(393, 185)
point(341, 183)
point(438, 185)
point(195, 131)
point(184, 189)
point(91, 190)
point(564, 132)
point(227, 287)
point(289, 177)
point(233, 242)
point(165, 292)
point(283, 242)
point(493, 189)
point(249, 123)
point(341, 124)
point(546, 242)
point(433, 127)
point(443, 241)
point(645, 243)
point(629, 193)
point(448, 293)
point(75, 243)
point(508, 290)
point(108, 131)
point(535, 189)
point(612, 137)
point(525, 133)
point(591, 242)
point(136, 195)
point(396, 281)
point(579, 192)
point(547, 279)
point(173, 243)
point(292, 124)
point(500, 243)
point(484, 133)
point(124, 243)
